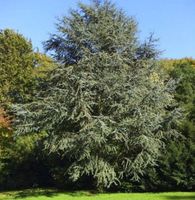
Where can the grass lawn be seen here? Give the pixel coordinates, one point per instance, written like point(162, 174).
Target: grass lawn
point(40, 194)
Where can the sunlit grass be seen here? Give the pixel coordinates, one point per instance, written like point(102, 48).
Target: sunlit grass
point(40, 194)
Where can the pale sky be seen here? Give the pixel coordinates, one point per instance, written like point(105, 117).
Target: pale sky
point(172, 21)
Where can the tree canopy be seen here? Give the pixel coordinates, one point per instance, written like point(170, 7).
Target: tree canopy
point(16, 63)
point(20, 66)
point(20, 71)
point(108, 107)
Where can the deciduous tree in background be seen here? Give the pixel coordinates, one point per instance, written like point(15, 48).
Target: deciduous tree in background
point(178, 165)
point(16, 64)
point(19, 66)
point(20, 71)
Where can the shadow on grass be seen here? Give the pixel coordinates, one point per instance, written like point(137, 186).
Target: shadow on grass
point(177, 197)
point(48, 193)
point(35, 193)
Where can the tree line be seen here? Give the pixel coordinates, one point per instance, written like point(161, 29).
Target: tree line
point(103, 112)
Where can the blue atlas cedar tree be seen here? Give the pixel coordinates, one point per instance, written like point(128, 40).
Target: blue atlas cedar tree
point(108, 107)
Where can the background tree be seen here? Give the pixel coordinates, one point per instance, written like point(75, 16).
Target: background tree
point(16, 63)
point(176, 167)
point(19, 66)
point(107, 108)
point(21, 70)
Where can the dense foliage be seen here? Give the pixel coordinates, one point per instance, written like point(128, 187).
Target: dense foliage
point(106, 114)
point(20, 71)
point(178, 164)
point(16, 64)
point(19, 67)
point(176, 168)
point(108, 107)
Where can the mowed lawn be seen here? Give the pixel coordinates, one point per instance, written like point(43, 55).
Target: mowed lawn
point(40, 194)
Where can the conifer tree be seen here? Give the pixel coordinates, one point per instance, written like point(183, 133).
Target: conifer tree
point(108, 107)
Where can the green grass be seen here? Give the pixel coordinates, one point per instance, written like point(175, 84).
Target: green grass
point(40, 194)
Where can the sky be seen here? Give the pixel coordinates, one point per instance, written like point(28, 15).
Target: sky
point(172, 21)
